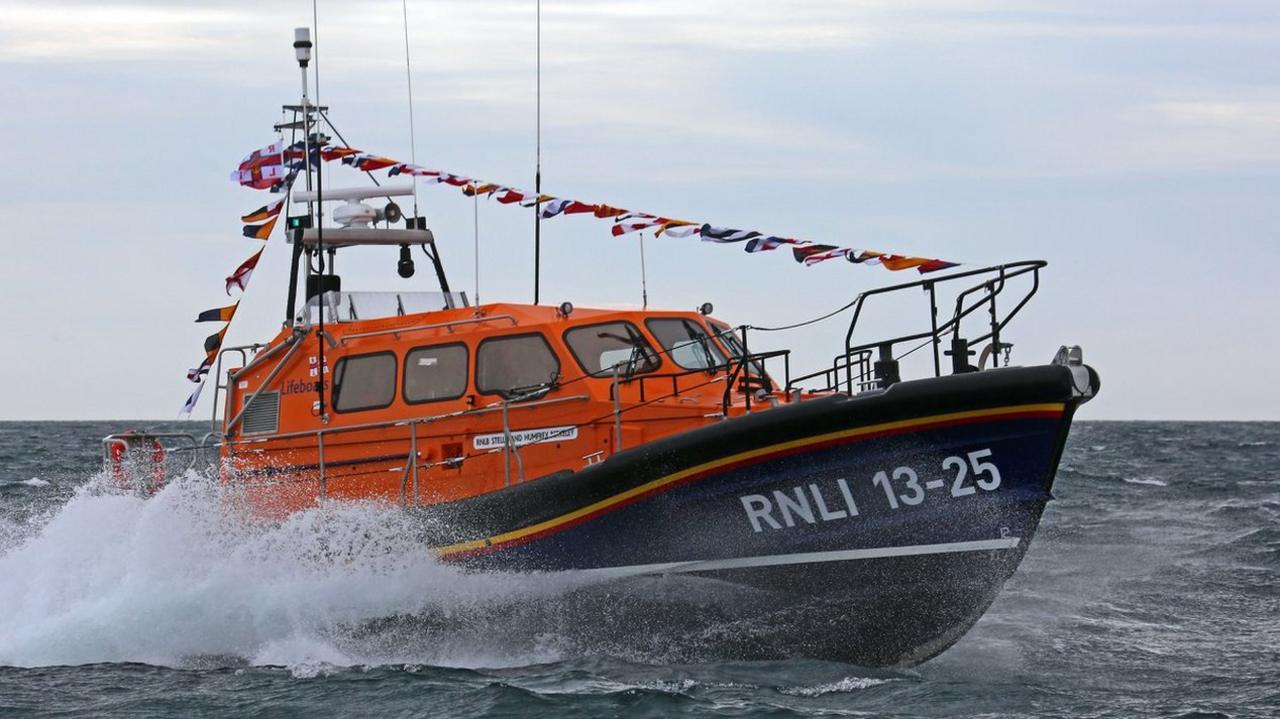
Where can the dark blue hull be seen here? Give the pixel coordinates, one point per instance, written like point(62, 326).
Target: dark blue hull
point(865, 529)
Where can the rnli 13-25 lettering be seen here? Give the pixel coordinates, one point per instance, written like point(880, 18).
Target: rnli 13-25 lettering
point(811, 503)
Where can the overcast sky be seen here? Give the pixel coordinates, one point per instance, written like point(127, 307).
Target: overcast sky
point(1135, 146)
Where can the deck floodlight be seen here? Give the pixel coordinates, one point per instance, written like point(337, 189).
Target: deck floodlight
point(565, 309)
point(405, 266)
point(391, 213)
point(705, 308)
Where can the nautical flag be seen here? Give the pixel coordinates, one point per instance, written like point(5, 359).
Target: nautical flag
point(415, 171)
point(367, 162)
point(260, 232)
point(603, 211)
point(567, 207)
point(635, 221)
point(329, 154)
point(529, 200)
point(269, 155)
point(214, 341)
point(724, 234)
point(259, 178)
point(218, 314)
point(510, 195)
point(898, 262)
point(295, 154)
point(195, 375)
point(678, 228)
point(935, 265)
point(190, 404)
point(764, 244)
point(482, 189)
point(264, 169)
point(240, 278)
point(813, 254)
point(867, 257)
point(260, 168)
point(265, 212)
point(284, 183)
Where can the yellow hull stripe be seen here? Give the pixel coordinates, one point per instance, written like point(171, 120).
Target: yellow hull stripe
point(751, 454)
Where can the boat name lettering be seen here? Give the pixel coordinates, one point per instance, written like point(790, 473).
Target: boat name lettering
point(295, 386)
point(810, 503)
point(522, 437)
point(805, 502)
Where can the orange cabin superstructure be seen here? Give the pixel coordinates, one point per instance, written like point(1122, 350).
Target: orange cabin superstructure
point(443, 405)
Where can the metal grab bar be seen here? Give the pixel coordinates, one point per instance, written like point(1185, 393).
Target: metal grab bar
point(421, 328)
point(295, 341)
point(428, 419)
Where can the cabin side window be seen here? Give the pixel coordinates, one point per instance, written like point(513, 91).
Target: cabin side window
point(364, 382)
point(432, 374)
point(599, 348)
point(519, 362)
point(686, 342)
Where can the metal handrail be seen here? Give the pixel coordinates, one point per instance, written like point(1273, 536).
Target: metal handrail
point(427, 419)
point(993, 287)
point(1021, 267)
point(421, 328)
point(295, 342)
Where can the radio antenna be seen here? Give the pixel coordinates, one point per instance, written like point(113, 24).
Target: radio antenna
point(408, 77)
point(475, 220)
point(537, 173)
point(644, 277)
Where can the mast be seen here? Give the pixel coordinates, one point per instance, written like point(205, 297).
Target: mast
point(302, 47)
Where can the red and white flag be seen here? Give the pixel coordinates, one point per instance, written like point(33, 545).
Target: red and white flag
point(635, 221)
point(508, 195)
point(260, 178)
point(240, 278)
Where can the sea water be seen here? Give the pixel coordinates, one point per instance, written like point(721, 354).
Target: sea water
point(1151, 589)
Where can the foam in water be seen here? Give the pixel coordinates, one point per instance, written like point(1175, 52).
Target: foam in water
point(183, 575)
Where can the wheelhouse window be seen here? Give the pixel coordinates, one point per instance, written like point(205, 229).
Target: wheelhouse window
point(600, 348)
point(505, 365)
point(733, 343)
point(728, 338)
point(432, 374)
point(686, 342)
point(364, 382)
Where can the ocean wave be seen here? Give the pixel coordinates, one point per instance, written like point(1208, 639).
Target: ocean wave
point(844, 686)
point(115, 578)
point(1152, 481)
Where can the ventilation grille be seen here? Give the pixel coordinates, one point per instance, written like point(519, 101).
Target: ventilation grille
point(263, 415)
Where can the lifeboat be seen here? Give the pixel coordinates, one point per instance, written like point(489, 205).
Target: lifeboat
point(859, 515)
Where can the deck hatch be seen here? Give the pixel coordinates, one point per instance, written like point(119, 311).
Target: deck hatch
point(262, 416)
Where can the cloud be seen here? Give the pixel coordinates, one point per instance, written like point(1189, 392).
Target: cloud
point(1223, 114)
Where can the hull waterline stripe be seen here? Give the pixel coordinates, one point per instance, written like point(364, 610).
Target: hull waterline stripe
point(779, 560)
point(565, 521)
